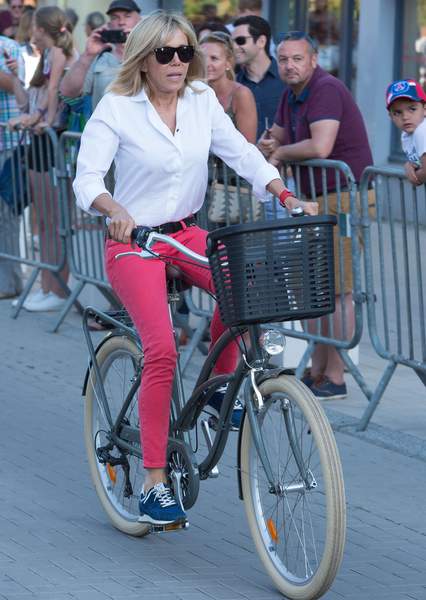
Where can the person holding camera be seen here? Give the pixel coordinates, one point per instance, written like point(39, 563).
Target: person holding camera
point(99, 63)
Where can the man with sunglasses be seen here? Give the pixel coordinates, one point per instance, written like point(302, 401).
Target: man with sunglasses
point(257, 68)
point(99, 63)
point(318, 118)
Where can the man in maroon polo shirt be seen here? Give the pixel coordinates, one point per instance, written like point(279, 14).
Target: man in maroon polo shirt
point(318, 118)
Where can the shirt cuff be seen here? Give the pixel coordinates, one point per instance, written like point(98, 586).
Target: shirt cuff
point(262, 178)
point(86, 193)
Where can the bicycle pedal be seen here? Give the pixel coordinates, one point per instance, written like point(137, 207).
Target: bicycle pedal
point(214, 425)
point(169, 527)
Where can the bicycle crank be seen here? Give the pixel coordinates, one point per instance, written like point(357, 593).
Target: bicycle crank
point(182, 473)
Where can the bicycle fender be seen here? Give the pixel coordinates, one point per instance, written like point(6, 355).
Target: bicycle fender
point(240, 435)
point(273, 374)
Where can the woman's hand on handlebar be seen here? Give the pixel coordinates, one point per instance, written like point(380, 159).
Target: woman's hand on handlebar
point(121, 225)
point(309, 208)
point(277, 188)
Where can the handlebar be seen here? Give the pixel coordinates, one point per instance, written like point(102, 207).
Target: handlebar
point(145, 238)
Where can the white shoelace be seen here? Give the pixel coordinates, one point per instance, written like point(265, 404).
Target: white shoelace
point(163, 495)
point(238, 405)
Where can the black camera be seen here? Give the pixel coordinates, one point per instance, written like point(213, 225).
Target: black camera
point(113, 36)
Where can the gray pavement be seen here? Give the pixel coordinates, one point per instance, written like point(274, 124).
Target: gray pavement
point(56, 542)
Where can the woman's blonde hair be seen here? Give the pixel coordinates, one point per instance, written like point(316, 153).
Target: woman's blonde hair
point(225, 40)
point(153, 32)
point(23, 33)
point(56, 25)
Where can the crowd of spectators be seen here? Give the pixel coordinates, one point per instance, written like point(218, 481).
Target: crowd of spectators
point(277, 96)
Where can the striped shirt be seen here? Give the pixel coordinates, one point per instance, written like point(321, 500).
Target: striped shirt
point(8, 105)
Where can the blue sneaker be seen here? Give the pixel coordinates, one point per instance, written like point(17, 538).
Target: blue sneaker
point(325, 389)
point(159, 507)
point(214, 405)
point(307, 378)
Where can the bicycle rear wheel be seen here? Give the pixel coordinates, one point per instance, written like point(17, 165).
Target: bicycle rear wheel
point(119, 360)
point(299, 530)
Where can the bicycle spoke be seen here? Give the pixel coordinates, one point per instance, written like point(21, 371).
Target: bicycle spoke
point(118, 372)
point(291, 516)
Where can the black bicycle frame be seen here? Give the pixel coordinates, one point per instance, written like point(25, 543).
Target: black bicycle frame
point(185, 418)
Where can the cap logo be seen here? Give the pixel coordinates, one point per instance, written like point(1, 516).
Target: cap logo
point(400, 86)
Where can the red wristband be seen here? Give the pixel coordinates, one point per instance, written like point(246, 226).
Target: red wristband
point(284, 195)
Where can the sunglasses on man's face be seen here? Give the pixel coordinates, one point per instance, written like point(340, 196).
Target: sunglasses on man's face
point(165, 54)
point(241, 40)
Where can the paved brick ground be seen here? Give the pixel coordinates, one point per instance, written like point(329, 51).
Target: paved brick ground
point(56, 542)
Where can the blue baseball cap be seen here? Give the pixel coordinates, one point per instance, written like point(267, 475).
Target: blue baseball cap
point(405, 88)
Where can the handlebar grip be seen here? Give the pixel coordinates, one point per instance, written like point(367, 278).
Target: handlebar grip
point(140, 235)
point(297, 211)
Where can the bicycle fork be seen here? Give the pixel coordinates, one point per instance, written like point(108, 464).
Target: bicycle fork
point(254, 410)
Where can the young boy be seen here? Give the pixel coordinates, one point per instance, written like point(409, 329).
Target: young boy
point(406, 103)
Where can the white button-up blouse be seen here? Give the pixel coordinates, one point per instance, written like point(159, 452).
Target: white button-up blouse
point(161, 177)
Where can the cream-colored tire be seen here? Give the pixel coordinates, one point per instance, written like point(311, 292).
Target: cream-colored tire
point(299, 532)
point(118, 359)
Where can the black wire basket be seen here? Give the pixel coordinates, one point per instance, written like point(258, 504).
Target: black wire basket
point(281, 270)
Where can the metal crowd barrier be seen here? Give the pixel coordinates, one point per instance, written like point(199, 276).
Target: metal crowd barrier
point(84, 233)
point(395, 245)
point(31, 231)
point(392, 240)
point(85, 240)
point(343, 329)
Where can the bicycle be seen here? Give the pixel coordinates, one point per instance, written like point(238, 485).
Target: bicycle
point(289, 472)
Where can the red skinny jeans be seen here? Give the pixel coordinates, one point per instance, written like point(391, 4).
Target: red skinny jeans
point(141, 286)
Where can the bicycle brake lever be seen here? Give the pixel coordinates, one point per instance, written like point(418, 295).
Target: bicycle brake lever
point(142, 238)
point(140, 235)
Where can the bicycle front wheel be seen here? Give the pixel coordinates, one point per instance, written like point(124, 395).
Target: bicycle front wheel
point(299, 527)
point(119, 360)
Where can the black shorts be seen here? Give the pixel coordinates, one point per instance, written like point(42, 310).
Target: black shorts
point(41, 153)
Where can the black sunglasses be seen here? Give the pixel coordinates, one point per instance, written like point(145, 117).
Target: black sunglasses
point(165, 54)
point(241, 40)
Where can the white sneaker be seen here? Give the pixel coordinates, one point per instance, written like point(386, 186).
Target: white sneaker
point(49, 302)
point(34, 297)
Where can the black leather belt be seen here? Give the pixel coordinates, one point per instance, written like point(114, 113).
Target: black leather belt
point(167, 228)
point(174, 226)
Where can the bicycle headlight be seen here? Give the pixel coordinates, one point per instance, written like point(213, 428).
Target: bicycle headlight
point(272, 341)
